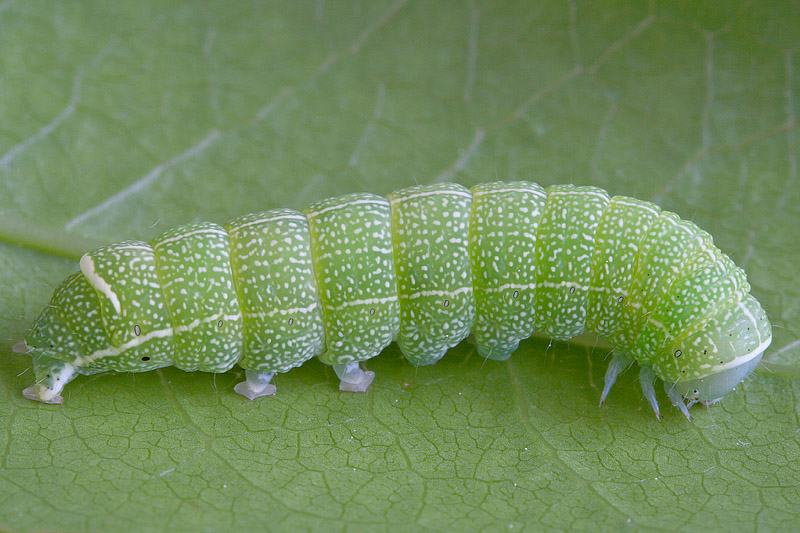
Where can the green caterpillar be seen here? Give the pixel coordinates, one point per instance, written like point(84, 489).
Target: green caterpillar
point(425, 267)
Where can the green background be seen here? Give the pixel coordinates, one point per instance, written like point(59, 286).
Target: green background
point(120, 120)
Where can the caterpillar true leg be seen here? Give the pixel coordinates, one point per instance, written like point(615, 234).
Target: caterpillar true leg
point(617, 366)
point(677, 400)
point(646, 379)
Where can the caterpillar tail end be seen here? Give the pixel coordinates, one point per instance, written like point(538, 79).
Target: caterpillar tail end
point(52, 375)
point(37, 392)
point(20, 347)
point(352, 378)
point(256, 385)
point(41, 393)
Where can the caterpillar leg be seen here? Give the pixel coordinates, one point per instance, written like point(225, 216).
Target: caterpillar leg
point(646, 379)
point(617, 366)
point(257, 384)
point(677, 401)
point(352, 378)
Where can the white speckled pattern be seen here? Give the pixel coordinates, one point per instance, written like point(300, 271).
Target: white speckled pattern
point(503, 236)
point(194, 272)
point(351, 238)
point(430, 224)
point(424, 267)
point(272, 264)
point(564, 249)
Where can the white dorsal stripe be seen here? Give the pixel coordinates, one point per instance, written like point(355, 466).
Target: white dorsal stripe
point(584, 193)
point(204, 231)
point(298, 217)
point(646, 207)
point(145, 247)
point(446, 192)
point(336, 207)
point(476, 194)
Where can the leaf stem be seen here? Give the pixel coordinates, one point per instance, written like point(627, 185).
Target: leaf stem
point(46, 239)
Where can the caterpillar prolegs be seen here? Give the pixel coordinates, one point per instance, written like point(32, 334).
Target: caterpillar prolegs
point(425, 267)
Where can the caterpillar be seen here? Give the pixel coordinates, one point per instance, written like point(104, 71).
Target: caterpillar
point(425, 266)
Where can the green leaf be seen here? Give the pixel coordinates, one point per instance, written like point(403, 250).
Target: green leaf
point(120, 120)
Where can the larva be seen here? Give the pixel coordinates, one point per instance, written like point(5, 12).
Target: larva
point(425, 267)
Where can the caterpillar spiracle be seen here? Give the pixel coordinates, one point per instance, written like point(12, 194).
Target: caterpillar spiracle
point(425, 267)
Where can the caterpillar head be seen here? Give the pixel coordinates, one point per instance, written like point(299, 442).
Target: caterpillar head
point(707, 364)
point(51, 347)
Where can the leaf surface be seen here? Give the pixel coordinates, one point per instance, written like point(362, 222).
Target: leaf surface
point(119, 121)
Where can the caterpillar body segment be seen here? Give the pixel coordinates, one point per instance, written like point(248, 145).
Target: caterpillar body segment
point(194, 274)
point(623, 226)
point(425, 267)
point(273, 269)
point(564, 251)
point(504, 230)
point(430, 224)
point(130, 304)
point(351, 241)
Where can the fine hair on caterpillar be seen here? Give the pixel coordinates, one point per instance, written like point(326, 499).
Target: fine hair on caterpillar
point(424, 267)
